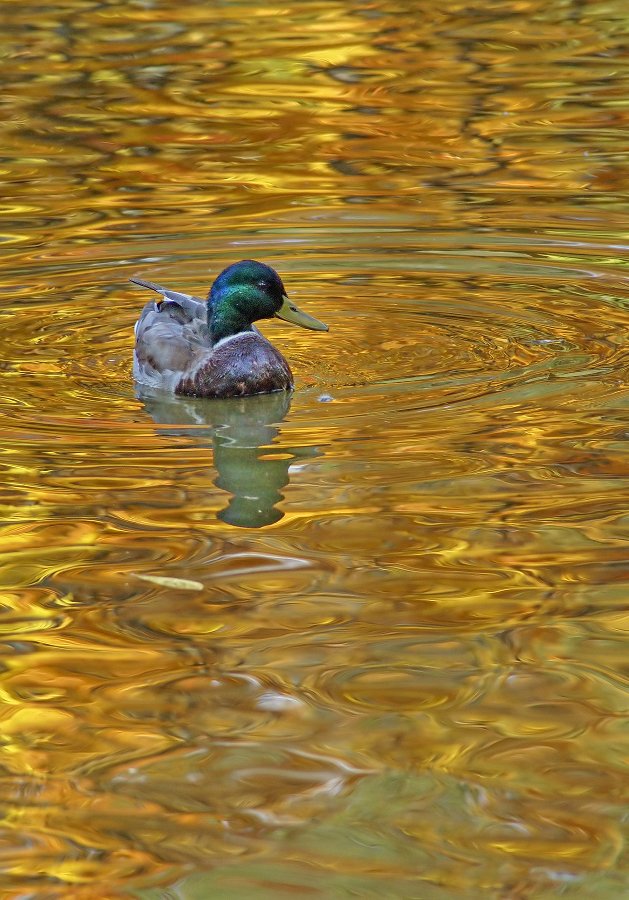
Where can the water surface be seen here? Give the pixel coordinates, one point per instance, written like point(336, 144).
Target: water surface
point(371, 646)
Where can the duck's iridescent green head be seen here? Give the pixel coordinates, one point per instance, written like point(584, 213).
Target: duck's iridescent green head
point(247, 291)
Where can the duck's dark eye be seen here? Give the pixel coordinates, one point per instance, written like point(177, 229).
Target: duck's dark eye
point(264, 285)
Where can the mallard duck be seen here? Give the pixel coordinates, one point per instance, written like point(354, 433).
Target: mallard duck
point(185, 345)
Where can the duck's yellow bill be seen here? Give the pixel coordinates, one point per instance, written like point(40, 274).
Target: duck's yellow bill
point(291, 313)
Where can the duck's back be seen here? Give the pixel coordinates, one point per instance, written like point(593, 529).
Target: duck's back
point(238, 366)
point(169, 338)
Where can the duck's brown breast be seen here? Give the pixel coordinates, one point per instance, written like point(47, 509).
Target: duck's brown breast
point(238, 366)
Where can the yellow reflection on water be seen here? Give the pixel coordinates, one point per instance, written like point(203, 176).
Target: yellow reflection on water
point(367, 640)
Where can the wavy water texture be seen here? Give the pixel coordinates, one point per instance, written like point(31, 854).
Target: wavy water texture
point(368, 640)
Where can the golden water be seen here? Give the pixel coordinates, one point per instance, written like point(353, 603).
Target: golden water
point(370, 647)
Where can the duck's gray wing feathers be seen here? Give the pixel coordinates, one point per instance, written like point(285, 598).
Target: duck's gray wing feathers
point(170, 337)
point(193, 306)
point(177, 296)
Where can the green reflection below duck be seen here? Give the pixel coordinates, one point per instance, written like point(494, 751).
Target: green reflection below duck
point(187, 346)
point(241, 433)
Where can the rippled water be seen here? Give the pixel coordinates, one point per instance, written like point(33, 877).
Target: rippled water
point(367, 647)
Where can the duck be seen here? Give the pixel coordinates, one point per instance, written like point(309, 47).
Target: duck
point(196, 348)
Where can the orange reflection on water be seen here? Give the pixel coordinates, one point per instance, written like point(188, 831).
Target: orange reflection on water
point(366, 640)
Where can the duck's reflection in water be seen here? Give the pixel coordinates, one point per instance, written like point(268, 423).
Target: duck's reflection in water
point(241, 432)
